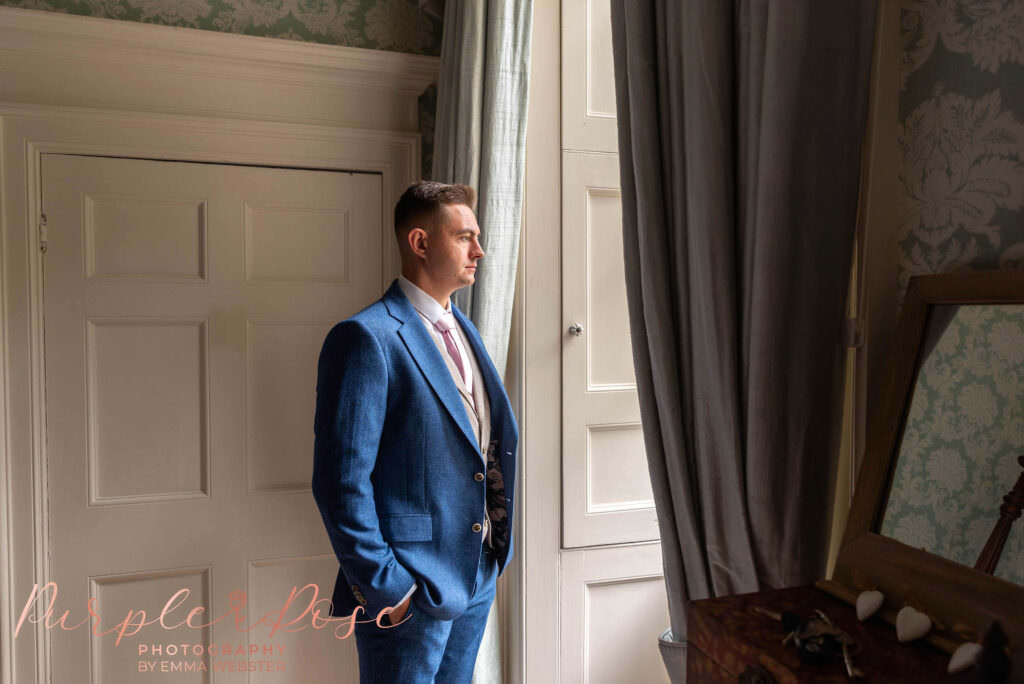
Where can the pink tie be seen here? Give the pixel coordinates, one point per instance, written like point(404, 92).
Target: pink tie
point(444, 325)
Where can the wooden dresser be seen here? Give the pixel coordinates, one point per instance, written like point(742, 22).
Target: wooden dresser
point(726, 637)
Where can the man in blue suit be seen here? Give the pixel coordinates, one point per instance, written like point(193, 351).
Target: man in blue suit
point(414, 467)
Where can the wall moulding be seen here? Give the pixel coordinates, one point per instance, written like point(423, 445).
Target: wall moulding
point(55, 59)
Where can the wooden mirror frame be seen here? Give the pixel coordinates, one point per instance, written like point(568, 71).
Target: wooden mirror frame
point(960, 600)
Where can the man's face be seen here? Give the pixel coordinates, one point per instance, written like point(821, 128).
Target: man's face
point(453, 247)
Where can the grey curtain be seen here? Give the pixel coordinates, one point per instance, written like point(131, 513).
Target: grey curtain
point(740, 131)
point(480, 140)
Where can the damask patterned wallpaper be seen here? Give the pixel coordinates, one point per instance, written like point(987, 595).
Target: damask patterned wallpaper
point(397, 25)
point(961, 142)
point(961, 115)
point(965, 429)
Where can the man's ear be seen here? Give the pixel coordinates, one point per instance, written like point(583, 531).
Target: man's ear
point(417, 241)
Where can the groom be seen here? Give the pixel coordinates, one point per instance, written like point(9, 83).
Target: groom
point(414, 466)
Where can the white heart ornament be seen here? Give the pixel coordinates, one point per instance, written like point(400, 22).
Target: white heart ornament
point(963, 657)
point(912, 624)
point(868, 603)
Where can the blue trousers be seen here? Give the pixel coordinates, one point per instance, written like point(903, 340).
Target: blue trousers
point(425, 650)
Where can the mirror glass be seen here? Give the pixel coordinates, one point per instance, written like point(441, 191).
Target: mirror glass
point(964, 431)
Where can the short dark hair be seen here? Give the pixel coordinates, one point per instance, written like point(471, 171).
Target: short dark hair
point(422, 200)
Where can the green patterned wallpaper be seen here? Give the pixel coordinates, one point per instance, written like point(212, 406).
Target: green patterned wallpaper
point(961, 144)
point(961, 136)
point(396, 25)
point(965, 429)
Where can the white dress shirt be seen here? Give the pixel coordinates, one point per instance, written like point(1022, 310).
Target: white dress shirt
point(430, 311)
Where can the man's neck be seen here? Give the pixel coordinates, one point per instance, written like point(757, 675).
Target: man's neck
point(444, 299)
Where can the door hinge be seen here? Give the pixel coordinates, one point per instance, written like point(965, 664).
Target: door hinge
point(43, 234)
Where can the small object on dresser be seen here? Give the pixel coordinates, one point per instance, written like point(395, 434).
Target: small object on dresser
point(817, 639)
point(993, 663)
point(963, 657)
point(868, 603)
point(912, 624)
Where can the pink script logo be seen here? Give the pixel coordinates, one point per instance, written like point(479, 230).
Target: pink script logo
point(135, 620)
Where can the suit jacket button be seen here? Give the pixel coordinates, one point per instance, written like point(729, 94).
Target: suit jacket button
point(479, 477)
point(477, 527)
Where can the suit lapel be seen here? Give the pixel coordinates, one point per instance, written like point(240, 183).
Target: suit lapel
point(428, 358)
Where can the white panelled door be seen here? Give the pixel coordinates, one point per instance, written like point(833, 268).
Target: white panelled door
point(605, 485)
point(612, 593)
point(185, 306)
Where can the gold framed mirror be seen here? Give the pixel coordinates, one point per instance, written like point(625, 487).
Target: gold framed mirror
point(942, 452)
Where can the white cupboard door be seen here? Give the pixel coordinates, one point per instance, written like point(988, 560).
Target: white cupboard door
point(185, 306)
point(606, 488)
point(612, 604)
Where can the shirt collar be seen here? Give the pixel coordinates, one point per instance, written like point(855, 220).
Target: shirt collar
point(421, 301)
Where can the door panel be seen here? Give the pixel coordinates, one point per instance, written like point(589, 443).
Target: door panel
point(606, 488)
point(613, 609)
point(588, 83)
point(185, 305)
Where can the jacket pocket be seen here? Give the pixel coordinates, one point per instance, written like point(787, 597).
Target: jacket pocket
point(407, 528)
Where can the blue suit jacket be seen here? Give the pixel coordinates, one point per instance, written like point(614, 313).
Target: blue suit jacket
point(396, 459)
